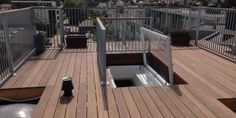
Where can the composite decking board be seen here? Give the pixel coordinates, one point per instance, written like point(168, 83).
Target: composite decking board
point(28, 74)
point(121, 105)
point(218, 59)
point(40, 74)
point(111, 103)
point(192, 80)
point(176, 100)
point(133, 110)
point(145, 113)
point(20, 73)
point(82, 99)
point(217, 107)
point(169, 103)
point(195, 65)
point(48, 74)
point(198, 103)
point(92, 103)
point(54, 54)
point(71, 107)
point(33, 74)
point(175, 90)
point(224, 84)
point(150, 104)
point(213, 66)
point(47, 54)
point(158, 102)
point(42, 105)
point(226, 69)
point(101, 104)
point(63, 101)
point(40, 108)
point(61, 106)
point(55, 96)
point(40, 55)
point(209, 83)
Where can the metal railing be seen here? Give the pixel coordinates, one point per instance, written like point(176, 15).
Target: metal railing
point(123, 34)
point(16, 40)
point(167, 19)
point(210, 28)
point(220, 28)
point(82, 20)
point(47, 22)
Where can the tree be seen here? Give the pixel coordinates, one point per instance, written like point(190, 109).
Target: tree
point(4, 1)
point(205, 2)
point(75, 3)
point(229, 3)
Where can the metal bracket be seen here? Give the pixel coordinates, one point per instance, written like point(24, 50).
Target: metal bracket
point(104, 82)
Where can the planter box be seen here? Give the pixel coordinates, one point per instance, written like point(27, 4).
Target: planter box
point(76, 41)
point(180, 38)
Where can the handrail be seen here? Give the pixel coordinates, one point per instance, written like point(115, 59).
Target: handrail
point(15, 10)
point(100, 23)
point(126, 18)
point(213, 8)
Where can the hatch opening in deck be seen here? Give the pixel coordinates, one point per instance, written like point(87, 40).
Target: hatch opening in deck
point(134, 75)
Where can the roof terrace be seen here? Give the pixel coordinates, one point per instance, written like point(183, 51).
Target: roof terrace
point(190, 81)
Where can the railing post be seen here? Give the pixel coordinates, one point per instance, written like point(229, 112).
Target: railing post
point(8, 44)
point(166, 22)
point(189, 19)
point(170, 63)
point(198, 26)
point(61, 24)
point(151, 21)
point(104, 55)
point(149, 41)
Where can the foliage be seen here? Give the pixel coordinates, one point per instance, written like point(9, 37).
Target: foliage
point(94, 20)
point(205, 2)
point(75, 3)
point(4, 1)
point(228, 3)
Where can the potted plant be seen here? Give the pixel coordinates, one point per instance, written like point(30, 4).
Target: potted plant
point(180, 38)
point(94, 20)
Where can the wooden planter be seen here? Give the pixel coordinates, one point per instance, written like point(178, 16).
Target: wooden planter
point(180, 38)
point(76, 41)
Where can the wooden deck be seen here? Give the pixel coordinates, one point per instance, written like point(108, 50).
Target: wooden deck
point(210, 77)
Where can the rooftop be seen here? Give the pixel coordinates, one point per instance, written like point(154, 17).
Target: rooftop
point(198, 98)
point(204, 72)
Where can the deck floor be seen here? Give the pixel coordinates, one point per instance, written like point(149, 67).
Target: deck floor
point(209, 78)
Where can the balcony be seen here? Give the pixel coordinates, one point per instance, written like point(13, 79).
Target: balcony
point(201, 77)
